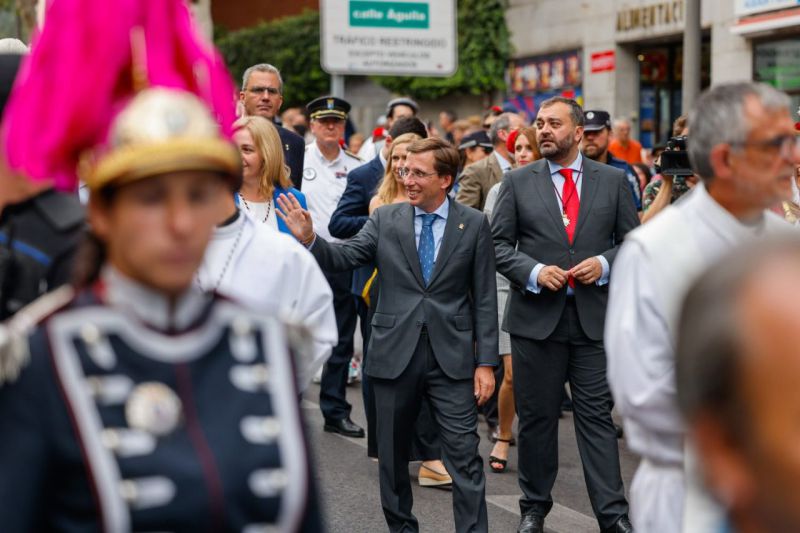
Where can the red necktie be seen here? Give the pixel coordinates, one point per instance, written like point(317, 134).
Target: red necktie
point(571, 206)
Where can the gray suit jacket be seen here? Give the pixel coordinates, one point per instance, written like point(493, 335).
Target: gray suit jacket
point(528, 230)
point(459, 305)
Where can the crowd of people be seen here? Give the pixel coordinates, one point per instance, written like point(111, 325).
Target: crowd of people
point(160, 328)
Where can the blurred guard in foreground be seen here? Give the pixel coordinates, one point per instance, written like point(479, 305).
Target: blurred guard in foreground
point(135, 402)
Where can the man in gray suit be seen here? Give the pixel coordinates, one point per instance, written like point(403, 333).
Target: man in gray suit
point(557, 225)
point(434, 330)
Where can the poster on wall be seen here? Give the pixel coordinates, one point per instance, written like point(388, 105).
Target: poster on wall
point(532, 80)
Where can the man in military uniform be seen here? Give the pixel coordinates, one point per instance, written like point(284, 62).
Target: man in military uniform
point(595, 143)
point(324, 180)
point(39, 227)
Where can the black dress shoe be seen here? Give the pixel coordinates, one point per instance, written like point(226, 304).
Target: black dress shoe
point(622, 525)
point(345, 427)
point(531, 523)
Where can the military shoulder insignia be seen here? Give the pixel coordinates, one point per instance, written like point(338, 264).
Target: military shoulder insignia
point(14, 352)
point(309, 173)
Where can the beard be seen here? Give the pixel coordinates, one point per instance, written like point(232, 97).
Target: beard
point(557, 149)
point(595, 152)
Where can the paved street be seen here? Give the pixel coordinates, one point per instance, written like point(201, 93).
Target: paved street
point(348, 482)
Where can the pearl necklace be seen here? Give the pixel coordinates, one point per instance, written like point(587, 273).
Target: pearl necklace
point(247, 206)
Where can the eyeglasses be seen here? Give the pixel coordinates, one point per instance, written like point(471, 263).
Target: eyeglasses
point(261, 90)
point(787, 145)
point(405, 172)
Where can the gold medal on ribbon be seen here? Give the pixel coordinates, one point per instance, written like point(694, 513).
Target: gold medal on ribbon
point(153, 407)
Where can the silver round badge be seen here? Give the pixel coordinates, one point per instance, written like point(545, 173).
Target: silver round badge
point(153, 407)
point(309, 174)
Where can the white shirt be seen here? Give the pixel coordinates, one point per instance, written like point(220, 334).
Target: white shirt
point(640, 345)
point(271, 272)
point(323, 184)
point(260, 212)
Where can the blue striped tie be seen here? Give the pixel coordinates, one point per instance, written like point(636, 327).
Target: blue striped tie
point(427, 246)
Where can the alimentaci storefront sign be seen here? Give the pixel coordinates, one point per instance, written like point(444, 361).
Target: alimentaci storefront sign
point(389, 14)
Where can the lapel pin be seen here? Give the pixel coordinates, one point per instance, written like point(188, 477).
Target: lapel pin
point(461, 226)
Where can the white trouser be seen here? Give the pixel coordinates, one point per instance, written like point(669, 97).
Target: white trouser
point(657, 497)
point(701, 514)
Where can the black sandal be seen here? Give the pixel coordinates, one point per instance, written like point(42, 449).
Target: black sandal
point(497, 460)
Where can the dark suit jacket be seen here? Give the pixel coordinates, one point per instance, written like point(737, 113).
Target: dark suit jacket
point(294, 149)
point(459, 305)
point(528, 230)
point(352, 211)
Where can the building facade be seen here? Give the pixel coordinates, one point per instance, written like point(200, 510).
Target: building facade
point(626, 56)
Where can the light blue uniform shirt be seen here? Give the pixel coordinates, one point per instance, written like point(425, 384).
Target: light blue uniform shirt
point(558, 183)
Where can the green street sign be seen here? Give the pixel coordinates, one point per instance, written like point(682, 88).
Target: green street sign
point(376, 14)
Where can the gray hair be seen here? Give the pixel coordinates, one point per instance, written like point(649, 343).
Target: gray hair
point(708, 359)
point(262, 67)
point(718, 117)
point(501, 123)
point(575, 109)
point(620, 121)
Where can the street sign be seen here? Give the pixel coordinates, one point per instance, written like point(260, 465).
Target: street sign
point(397, 38)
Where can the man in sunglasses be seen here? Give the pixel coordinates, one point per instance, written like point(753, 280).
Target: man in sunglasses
point(743, 147)
point(262, 94)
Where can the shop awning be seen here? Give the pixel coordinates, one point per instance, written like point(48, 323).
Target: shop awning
point(767, 22)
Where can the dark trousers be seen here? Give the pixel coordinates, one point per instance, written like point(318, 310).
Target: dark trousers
point(398, 402)
point(332, 391)
point(540, 369)
point(425, 446)
point(489, 409)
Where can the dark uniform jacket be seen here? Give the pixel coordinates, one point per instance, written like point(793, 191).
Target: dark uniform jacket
point(38, 238)
point(113, 425)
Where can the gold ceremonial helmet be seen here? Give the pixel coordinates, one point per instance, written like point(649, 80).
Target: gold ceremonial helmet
point(159, 131)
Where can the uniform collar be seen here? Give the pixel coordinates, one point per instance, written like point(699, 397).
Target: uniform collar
point(150, 306)
point(322, 159)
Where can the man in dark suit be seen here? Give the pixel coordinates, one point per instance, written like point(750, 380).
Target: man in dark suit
point(262, 94)
point(557, 226)
point(434, 331)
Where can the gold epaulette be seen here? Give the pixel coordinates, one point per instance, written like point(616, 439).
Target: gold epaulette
point(14, 351)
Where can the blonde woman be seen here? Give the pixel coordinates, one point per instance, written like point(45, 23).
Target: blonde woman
point(265, 174)
point(391, 189)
